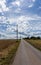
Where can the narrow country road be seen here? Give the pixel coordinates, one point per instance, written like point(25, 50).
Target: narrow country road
point(27, 55)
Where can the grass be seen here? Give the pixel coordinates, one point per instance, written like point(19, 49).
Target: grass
point(8, 49)
point(35, 42)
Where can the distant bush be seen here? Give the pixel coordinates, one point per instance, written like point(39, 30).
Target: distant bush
point(33, 37)
point(38, 38)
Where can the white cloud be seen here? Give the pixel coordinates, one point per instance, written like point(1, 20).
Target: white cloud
point(11, 29)
point(31, 3)
point(20, 4)
point(23, 22)
point(36, 26)
point(16, 3)
point(17, 10)
point(33, 0)
point(20, 19)
point(28, 18)
point(11, 20)
point(3, 6)
point(30, 6)
point(2, 19)
point(39, 7)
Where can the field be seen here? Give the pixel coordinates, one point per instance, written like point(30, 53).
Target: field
point(35, 42)
point(8, 49)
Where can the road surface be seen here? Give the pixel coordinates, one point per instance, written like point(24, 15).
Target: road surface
point(27, 55)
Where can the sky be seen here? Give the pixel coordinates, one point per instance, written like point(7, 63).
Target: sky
point(24, 13)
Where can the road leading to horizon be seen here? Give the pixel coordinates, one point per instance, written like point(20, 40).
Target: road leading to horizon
point(27, 55)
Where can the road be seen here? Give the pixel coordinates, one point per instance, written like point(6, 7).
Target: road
point(27, 55)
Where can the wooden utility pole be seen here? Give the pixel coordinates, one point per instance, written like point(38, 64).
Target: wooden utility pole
point(17, 32)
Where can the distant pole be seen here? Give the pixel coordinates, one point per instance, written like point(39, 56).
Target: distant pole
point(17, 32)
point(20, 36)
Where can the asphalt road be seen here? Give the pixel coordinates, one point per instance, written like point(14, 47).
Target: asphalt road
point(27, 55)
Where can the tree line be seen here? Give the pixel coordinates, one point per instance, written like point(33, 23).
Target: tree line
point(33, 37)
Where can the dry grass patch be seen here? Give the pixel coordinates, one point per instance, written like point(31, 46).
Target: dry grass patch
point(36, 43)
point(8, 49)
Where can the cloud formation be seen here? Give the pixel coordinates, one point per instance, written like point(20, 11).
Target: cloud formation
point(24, 13)
point(3, 6)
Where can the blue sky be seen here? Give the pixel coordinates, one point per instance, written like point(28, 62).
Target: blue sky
point(25, 13)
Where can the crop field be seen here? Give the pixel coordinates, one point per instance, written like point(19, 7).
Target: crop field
point(36, 43)
point(8, 49)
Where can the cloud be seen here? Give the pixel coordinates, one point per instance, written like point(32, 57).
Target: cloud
point(25, 18)
point(33, 0)
point(18, 10)
point(16, 3)
point(19, 13)
point(2, 19)
point(23, 3)
point(11, 29)
point(30, 6)
point(3, 6)
point(39, 7)
point(25, 24)
point(31, 3)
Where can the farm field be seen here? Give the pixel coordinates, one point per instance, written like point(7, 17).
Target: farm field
point(35, 42)
point(8, 49)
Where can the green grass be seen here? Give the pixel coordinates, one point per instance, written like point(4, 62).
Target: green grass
point(36, 43)
point(9, 52)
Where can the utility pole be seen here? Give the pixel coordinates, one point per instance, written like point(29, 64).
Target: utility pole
point(17, 32)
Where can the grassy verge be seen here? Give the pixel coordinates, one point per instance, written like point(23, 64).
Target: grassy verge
point(36, 43)
point(9, 52)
